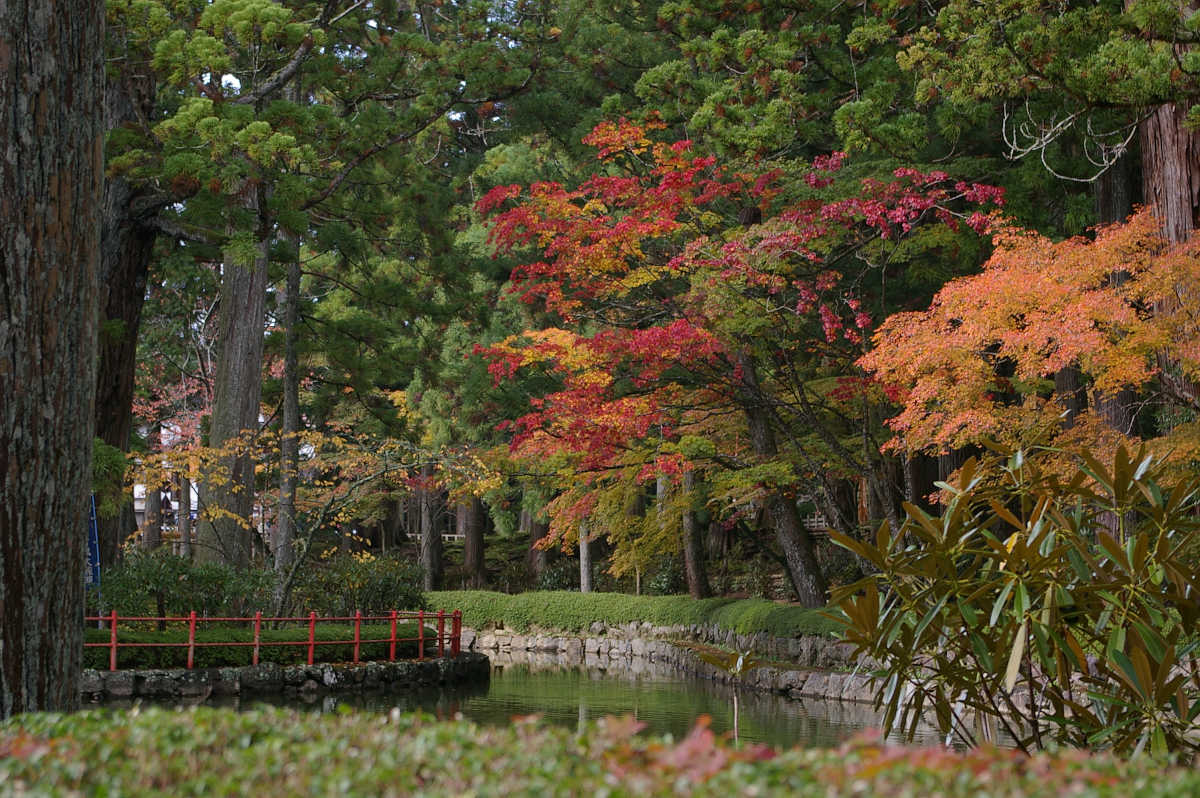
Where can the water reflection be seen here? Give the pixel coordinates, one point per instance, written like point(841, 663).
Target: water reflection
point(570, 696)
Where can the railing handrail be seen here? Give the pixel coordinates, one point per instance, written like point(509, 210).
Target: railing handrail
point(191, 619)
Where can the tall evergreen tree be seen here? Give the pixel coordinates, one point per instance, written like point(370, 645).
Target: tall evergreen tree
point(52, 90)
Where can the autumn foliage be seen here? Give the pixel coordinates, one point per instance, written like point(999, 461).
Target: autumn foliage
point(981, 361)
point(670, 276)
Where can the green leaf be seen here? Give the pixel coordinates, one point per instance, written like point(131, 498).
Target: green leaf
point(998, 607)
point(1014, 658)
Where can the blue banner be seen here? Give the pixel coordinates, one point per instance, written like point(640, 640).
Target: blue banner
point(91, 577)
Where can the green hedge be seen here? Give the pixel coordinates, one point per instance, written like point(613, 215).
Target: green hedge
point(574, 612)
point(236, 656)
point(284, 753)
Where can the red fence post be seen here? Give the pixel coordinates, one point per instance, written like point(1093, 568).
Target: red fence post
point(312, 635)
point(392, 639)
point(456, 633)
point(257, 635)
point(441, 633)
point(420, 634)
point(191, 638)
point(357, 633)
point(112, 641)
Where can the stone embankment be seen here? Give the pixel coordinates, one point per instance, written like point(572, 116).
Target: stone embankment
point(823, 668)
point(200, 683)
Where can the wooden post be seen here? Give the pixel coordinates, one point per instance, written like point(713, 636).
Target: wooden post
point(191, 639)
point(112, 641)
point(257, 635)
point(312, 633)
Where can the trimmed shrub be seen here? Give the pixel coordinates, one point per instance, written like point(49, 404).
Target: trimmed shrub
point(275, 752)
point(237, 656)
point(161, 583)
point(575, 612)
point(342, 583)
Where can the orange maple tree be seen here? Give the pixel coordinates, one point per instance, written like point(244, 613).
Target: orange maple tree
point(979, 363)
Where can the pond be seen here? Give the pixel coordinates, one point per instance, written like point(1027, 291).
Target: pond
point(667, 703)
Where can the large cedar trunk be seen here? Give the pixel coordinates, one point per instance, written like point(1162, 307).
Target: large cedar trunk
point(237, 387)
point(1171, 170)
point(289, 443)
point(538, 558)
point(793, 539)
point(472, 520)
point(126, 246)
point(431, 533)
point(1171, 186)
point(51, 89)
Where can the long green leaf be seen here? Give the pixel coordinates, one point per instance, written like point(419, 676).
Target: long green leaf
point(998, 607)
point(1014, 658)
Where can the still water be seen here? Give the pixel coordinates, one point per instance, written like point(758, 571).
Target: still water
point(570, 696)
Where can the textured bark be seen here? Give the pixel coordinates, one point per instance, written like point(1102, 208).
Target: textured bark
point(152, 516)
point(1071, 394)
point(289, 443)
point(431, 535)
point(1171, 185)
point(152, 519)
point(224, 533)
point(793, 539)
point(693, 544)
point(585, 558)
point(126, 245)
point(472, 524)
point(538, 558)
point(51, 93)
point(1171, 170)
point(183, 516)
point(950, 462)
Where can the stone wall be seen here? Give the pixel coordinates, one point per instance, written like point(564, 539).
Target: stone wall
point(817, 659)
point(200, 683)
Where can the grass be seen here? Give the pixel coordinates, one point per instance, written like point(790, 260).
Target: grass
point(575, 612)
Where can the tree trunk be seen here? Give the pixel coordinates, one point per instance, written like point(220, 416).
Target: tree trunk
point(472, 519)
point(152, 517)
point(1171, 170)
point(1171, 186)
point(393, 523)
point(693, 543)
point(538, 558)
point(126, 244)
point(237, 386)
point(289, 443)
point(183, 517)
point(51, 89)
point(585, 558)
point(431, 536)
point(793, 539)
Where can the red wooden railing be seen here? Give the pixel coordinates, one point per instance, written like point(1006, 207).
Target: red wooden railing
point(453, 639)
